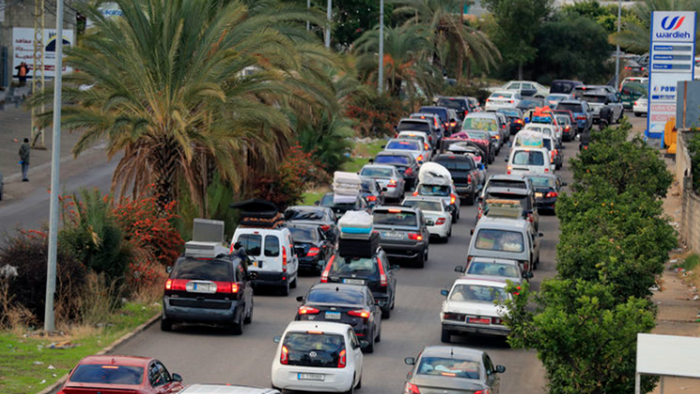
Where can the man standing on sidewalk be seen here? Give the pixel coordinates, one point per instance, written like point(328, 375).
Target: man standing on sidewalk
point(24, 159)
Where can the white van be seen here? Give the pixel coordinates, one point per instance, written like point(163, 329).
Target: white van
point(273, 261)
point(530, 161)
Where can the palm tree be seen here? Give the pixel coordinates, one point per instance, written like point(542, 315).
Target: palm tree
point(635, 33)
point(187, 88)
point(405, 54)
point(443, 19)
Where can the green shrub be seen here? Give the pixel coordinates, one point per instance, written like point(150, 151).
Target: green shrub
point(694, 153)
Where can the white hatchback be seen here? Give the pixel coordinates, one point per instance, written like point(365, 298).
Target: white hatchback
point(530, 161)
point(318, 356)
point(438, 219)
point(502, 99)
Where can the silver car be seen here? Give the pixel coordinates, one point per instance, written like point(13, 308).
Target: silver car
point(414, 147)
point(388, 178)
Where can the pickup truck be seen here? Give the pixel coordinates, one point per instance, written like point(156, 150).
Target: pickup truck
point(467, 177)
point(600, 99)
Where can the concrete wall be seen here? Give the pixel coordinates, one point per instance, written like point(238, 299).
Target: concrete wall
point(691, 105)
point(690, 201)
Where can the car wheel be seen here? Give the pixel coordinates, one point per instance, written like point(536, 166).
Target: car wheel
point(379, 335)
point(359, 383)
point(638, 114)
point(166, 325)
point(249, 318)
point(386, 313)
point(237, 327)
point(370, 349)
point(471, 198)
point(284, 290)
point(446, 336)
point(420, 260)
point(293, 285)
point(446, 239)
point(449, 234)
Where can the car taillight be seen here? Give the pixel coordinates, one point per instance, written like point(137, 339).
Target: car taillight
point(453, 124)
point(392, 183)
point(496, 320)
point(426, 146)
point(410, 387)
point(581, 117)
point(487, 100)
point(307, 310)
point(176, 284)
point(284, 259)
point(314, 251)
point(227, 287)
point(469, 259)
point(508, 169)
point(409, 171)
point(383, 282)
point(284, 356)
point(469, 178)
point(453, 198)
point(415, 194)
point(342, 360)
point(327, 270)
point(552, 194)
point(585, 147)
point(371, 198)
point(419, 158)
point(498, 137)
point(567, 128)
point(511, 101)
point(168, 284)
point(325, 227)
point(415, 237)
point(360, 313)
point(545, 170)
point(440, 221)
point(482, 392)
point(530, 218)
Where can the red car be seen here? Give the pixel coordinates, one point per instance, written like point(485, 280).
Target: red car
point(121, 375)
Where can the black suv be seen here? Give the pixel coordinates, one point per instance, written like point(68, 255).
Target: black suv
point(208, 290)
point(311, 245)
point(374, 272)
point(340, 208)
point(403, 233)
point(463, 171)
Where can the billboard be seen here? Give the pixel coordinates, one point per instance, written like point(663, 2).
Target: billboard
point(671, 59)
point(23, 49)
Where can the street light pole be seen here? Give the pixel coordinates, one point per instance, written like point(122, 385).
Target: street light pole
point(380, 78)
point(49, 318)
point(329, 14)
point(617, 53)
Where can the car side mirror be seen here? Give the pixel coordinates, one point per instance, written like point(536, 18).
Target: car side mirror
point(364, 344)
point(277, 339)
point(384, 189)
point(500, 369)
point(383, 146)
point(176, 377)
point(540, 235)
point(169, 269)
point(409, 361)
point(444, 293)
point(317, 203)
point(300, 298)
point(506, 159)
point(527, 275)
point(459, 269)
point(471, 232)
point(564, 184)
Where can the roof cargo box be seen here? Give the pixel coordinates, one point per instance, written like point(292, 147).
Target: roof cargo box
point(434, 174)
point(358, 247)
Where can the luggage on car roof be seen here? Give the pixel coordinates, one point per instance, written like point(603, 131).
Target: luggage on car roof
point(259, 213)
point(358, 247)
point(356, 225)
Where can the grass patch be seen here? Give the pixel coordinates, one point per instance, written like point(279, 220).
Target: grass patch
point(311, 196)
point(361, 155)
point(18, 352)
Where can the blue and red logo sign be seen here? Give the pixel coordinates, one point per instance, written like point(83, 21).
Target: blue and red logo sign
point(672, 29)
point(673, 24)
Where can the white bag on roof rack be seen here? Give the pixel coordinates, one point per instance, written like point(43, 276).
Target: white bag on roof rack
point(434, 174)
point(356, 225)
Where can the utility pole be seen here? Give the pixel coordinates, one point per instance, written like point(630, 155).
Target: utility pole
point(49, 318)
point(380, 78)
point(308, 8)
point(329, 14)
point(617, 53)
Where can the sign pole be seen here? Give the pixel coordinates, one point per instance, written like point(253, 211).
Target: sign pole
point(329, 14)
point(617, 53)
point(380, 77)
point(49, 318)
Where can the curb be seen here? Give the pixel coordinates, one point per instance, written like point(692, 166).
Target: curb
point(106, 350)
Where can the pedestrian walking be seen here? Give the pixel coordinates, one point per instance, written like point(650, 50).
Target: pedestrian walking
point(24, 159)
point(22, 72)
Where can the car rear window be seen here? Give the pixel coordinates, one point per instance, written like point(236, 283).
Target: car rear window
point(417, 126)
point(450, 367)
point(388, 159)
point(478, 135)
point(395, 218)
point(304, 234)
point(514, 184)
point(272, 246)
point(455, 164)
point(434, 190)
point(403, 145)
point(485, 124)
point(213, 270)
point(500, 240)
point(502, 95)
point(575, 108)
point(441, 112)
point(336, 295)
point(528, 158)
point(493, 269)
point(252, 243)
point(563, 120)
point(456, 104)
point(595, 99)
point(326, 347)
point(295, 214)
point(376, 172)
point(424, 205)
point(352, 265)
point(509, 112)
point(477, 293)
point(107, 374)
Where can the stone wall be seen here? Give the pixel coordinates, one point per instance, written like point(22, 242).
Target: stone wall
point(690, 209)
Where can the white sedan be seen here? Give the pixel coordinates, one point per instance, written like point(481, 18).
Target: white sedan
point(438, 219)
point(502, 99)
point(641, 107)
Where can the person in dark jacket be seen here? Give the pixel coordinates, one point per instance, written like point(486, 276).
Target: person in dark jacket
point(22, 72)
point(24, 159)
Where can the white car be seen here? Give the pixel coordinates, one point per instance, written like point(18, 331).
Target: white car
point(540, 91)
point(438, 219)
point(318, 356)
point(226, 389)
point(526, 160)
point(641, 107)
point(502, 99)
point(491, 268)
point(471, 308)
point(421, 136)
point(546, 129)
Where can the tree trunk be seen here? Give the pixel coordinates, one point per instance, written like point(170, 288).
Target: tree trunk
point(165, 167)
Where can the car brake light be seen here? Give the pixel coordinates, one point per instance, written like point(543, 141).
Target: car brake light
point(307, 310)
point(409, 171)
point(411, 389)
point(552, 194)
point(360, 313)
point(325, 227)
point(581, 117)
point(327, 270)
point(482, 392)
point(168, 284)
point(426, 146)
point(342, 360)
point(508, 169)
point(392, 183)
point(284, 259)
point(419, 158)
point(498, 137)
point(371, 198)
point(394, 210)
point(176, 284)
point(487, 100)
point(382, 275)
point(415, 237)
point(453, 124)
point(453, 199)
point(226, 287)
point(530, 218)
point(415, 194)
point(284, 356)
point(314, 251)
point(469, 178)
point(545, 170)
point(511, 101)
point(440, 221)
point(231, 249)
point(466, 112)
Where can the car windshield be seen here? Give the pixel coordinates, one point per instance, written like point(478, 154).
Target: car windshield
point(395, 218)
point(252, 243)
point(477, 123)
point(107, 374)
point(477, 293)
point(450, 367)
point(595, 99)
point(500, 240)
point(387, 159)
point(299, 214)
point(403, 145)
point(376, 172)
point(353, 265)
point(304, 234)
point(509, 112)
point(542, 181)
point(493, 269)
point(335, 295)
point(456, 104)
point(424, 205)
point(326, 349)
point(434, 190)
point(528, 158)
point(417, 126)
point(575, 108)
point(477, 135)
point(213, 270)
point(465, 165)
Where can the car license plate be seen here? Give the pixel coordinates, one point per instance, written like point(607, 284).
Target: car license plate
point(539, 195)
point(354, 281)
point(200, 287)
point(479, 320)
point(311, 376)
point(332, 315)
point(257, 264)
point(392, 234)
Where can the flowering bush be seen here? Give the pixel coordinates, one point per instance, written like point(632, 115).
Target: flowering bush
point(376, 116)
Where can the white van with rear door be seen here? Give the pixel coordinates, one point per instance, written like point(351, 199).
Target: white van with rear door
point(273, 261)
point(524, 160)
